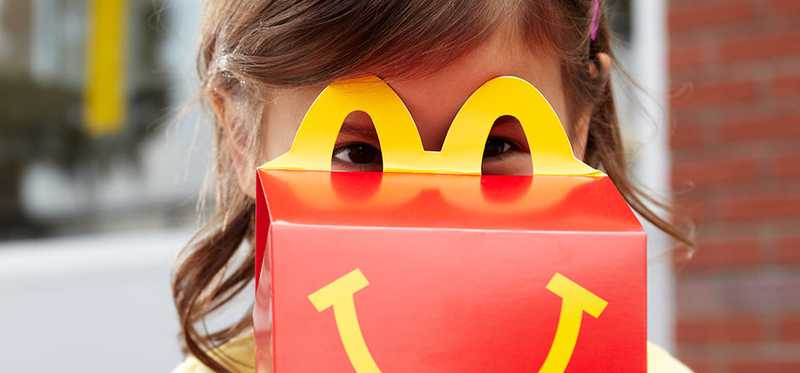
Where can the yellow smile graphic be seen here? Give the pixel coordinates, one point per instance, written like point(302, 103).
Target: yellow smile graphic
point(339, 296)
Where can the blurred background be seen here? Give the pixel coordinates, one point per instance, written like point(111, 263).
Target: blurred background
point(103, 156)
point(100, 177)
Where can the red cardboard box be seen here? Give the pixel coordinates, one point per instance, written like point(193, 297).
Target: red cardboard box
point(426, 272)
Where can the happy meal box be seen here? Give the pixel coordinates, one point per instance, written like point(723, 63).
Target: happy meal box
point(429, 266)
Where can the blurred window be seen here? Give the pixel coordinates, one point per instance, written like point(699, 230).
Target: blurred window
point(43, 79)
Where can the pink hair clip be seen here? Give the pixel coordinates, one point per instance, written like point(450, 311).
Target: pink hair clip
point(595, 19)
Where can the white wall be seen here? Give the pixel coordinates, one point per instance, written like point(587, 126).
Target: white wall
point(644, 126)
point(649, 126)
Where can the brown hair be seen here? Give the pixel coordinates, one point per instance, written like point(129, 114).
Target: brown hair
point(250, 46)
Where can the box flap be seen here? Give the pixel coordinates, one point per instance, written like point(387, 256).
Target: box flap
point(374, 199)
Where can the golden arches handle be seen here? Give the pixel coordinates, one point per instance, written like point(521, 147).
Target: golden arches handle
point(551, 151)
point(462, 152)
point(316, 137)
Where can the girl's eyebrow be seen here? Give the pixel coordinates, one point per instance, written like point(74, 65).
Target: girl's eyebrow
point(359, 129)
point(367, 129)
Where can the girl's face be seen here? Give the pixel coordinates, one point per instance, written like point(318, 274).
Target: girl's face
point(433, 101)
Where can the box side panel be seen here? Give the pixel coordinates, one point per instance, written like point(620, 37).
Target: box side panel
point(262, 308)
point(262, 226)
point(457, 301)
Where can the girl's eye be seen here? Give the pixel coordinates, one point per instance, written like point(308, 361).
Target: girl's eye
point(362, 156)
point(496, 147)
point(358, 154)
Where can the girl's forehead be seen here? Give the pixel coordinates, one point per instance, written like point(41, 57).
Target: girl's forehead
point(435, 97)
point(441, 92)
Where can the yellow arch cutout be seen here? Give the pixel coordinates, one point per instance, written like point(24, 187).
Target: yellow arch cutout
point(462, 152)
point(575, 300)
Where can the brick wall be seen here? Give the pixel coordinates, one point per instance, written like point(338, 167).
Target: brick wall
point(735, 111)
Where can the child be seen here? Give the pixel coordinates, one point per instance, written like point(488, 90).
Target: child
point(262, 64)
